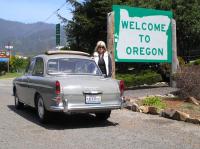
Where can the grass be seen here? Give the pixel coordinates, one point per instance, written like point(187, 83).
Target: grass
point(154, 101)
point(172, 103)
point(191, 109)
point(187, 106)
point(11, 75)
point(190, 106)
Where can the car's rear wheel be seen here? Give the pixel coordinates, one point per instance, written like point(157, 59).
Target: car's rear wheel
point(103, 115)
point(42, 113)
point(18, 104)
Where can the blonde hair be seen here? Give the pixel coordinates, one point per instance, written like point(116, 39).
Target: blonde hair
point(102, 44)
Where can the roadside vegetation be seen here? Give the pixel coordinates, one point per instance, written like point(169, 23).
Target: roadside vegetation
point(183, 106)
point(154, 101)
point(17, 67)
point(11, 75)
point(163, 103)
point(188, 80)
point(135, 79)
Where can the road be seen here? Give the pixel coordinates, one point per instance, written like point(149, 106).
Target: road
point(19, 129)
point(149, 91)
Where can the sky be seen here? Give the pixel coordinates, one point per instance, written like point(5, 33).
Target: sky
point(31, 11)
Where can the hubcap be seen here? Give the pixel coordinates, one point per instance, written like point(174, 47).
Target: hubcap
point(40, 108)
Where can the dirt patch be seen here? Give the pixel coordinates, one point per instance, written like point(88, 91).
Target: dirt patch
point(183, 106)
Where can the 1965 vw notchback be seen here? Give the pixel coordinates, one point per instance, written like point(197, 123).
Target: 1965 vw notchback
point(69, 82)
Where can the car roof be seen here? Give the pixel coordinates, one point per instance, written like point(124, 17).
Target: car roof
point(68, 52)
point(64, 54)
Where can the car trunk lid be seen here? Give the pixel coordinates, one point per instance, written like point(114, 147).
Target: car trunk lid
point(87, 84)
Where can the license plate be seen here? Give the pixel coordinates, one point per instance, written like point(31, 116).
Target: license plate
point(92, 99)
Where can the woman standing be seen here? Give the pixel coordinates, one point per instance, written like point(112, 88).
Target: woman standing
point(102, 58)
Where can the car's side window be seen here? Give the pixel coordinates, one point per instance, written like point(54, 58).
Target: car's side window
point(30, 66)
point(39, 67)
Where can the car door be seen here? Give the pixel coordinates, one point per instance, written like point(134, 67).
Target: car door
point(22, 91)
point(35, 80)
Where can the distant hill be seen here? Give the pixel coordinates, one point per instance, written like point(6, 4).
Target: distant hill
point(28, 39)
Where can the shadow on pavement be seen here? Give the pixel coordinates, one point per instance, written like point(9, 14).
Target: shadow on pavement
point(60, 121)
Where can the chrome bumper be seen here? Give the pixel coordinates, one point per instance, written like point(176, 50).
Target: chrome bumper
point(56, 108)
point(90, 108)
point(67, 107)
point(84, 108)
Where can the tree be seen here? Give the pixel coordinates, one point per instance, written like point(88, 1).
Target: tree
point(89, 22)
point(18, 64)
point(187, 16)
point(3, 66)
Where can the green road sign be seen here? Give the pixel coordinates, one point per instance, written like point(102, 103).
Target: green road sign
point(57, 34)
point(142, 35)
point(57, 40)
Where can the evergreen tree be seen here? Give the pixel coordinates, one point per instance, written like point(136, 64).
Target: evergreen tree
point(89, 22)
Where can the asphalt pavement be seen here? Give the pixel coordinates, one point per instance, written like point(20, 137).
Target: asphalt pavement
point(19, 129)
point(135, 93)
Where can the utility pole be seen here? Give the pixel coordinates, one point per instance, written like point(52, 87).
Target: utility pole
point(9, 48)
point(110, 39)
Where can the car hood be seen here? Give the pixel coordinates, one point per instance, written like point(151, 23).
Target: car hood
point(76, 84)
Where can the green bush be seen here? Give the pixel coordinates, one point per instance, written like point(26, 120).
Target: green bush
point(18, 64)
point(145, 77)
point(127, 78)
point(154, 101)
point(3, 66)
point(188, 81)
point(197, 62)
point(181, 61)
point(164, 70)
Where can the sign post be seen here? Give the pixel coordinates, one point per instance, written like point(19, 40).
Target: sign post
point(175, 63)
point(8, 53)
point(142, 35)
point(110, 39)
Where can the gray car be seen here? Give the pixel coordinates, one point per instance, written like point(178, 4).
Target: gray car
point(69, 82)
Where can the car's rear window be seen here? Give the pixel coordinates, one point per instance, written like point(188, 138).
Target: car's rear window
point(72, 66)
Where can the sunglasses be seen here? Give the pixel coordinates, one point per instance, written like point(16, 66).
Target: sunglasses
point(101, 47)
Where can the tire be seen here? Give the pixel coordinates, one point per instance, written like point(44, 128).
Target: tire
point(103, 116)
point(43, 114)
point(18, 104)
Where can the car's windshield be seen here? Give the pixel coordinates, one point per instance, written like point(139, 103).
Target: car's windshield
point(72, 66)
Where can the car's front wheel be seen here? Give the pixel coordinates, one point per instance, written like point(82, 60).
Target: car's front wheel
point(103, 115)
point(42, 113)
point(18, 104)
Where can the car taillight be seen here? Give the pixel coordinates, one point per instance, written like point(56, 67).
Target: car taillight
point(57, 87)
point(121, 87)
